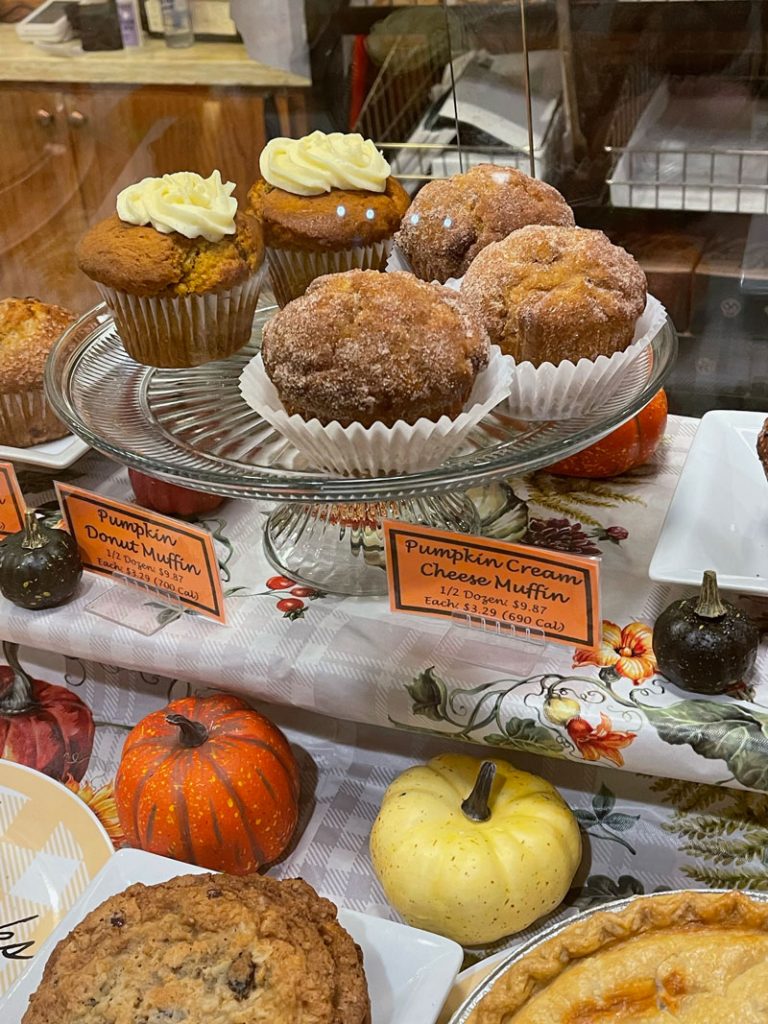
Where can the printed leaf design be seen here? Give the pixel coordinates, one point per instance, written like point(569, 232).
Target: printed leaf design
point(724, 732)
point(526, 734)
point(603, 801)
point(621, 822)
point(601, 888)
point(428, 693)
point(603, 822)
point(572, 496)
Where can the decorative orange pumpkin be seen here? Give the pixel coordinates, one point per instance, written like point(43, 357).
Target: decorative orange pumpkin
point(42, 726)
point(630, 445)
point(209, 781)
point(171, 499)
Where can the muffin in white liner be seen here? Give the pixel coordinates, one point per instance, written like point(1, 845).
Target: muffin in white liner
point(549, 392)
point(379, 450)
point(185, 330)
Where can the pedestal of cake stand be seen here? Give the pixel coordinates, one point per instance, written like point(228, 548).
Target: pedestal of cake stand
point(340, 547)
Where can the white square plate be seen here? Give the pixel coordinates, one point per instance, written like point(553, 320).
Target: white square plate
point(49, 455)
point(718, 517)
point(410, 972)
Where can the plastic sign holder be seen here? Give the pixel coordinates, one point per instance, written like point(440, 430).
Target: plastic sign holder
point(137, 605)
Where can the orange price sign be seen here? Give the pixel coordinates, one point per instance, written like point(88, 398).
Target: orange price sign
point(435, 572)
point(11, 501)
point(115, 537)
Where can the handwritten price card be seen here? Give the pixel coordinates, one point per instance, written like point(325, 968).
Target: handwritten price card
point(434, 572)
point(11, 501)
point(115, 537)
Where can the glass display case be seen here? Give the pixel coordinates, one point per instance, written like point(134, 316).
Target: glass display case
point(650, 117)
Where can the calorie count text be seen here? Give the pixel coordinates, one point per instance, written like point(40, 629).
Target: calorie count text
point(156, 576)
point(517, 611)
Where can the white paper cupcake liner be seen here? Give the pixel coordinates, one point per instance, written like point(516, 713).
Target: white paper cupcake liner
point(26, 419)
point(291, 272)
point(378, 450)
point(549, 392)
point(188, 330)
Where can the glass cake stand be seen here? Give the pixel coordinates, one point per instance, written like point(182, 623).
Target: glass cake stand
point(192, 427)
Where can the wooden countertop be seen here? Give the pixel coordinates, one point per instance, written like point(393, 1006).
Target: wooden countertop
point(154, 63)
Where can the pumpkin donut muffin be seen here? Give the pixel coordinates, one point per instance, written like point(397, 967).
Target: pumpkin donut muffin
point(451, 220)
point(28, 329)
point(546, 294)
point(179, 267)
point(204, 948)
point(363, 347)
point(327, 203)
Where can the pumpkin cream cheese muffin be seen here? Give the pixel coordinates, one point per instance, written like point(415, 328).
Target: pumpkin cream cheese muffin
point(203, 949)
point(28, 329)
point(546, 294)
point(178, 265)
point(453, 219)
point(327, 203)
point(363, 347)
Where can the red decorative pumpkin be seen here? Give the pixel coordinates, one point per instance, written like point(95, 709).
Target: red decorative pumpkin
point(171, 499)
point(43, 726)
point(630, 445)
point(209, 781)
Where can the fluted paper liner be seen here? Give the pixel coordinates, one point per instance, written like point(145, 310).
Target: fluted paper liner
point(26, 419)
point(561, 392)
point(291, 272)
point(378, 450)
point(185, 330)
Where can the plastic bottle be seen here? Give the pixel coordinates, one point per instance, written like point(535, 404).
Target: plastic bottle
point(177, 23)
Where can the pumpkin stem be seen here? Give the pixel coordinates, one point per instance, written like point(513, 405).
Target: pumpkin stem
point(19, 697)
point(33, 538)
point(709, 605)
point(191, 734)
point(476, 805)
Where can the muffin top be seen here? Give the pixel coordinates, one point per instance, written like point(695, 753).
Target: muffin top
point(546, 294)
point(176, 235)
point(205, 948)
point(326, 192)
point(28, 329)
point(451, 220)
point(364, 347)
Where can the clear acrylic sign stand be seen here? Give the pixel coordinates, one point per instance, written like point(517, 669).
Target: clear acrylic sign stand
point(490, 643)
point(137, 605)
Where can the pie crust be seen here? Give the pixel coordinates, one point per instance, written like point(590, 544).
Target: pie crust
point(677, 958)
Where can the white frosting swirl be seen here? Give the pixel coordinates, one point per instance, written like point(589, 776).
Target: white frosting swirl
point(185, 202)
point(319, 162)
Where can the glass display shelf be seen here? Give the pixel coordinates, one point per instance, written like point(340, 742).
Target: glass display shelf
point(192, 427)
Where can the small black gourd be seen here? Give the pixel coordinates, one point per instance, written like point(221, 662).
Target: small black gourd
point(705, 644)
point(39, 567)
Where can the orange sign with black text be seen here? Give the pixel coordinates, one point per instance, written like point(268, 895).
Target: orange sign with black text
point(117, 538)
point(475, 580)
point(11, 501)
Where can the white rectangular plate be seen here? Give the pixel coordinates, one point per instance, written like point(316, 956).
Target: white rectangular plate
point(410, 972)
point(718, 518)
point(49, 455)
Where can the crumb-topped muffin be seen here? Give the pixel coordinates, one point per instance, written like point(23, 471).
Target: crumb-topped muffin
point(202, 949)
point(453, 219)
point(363, 347)
point(546, 294)
point(327, 203)
point(179, 267)
point(28, 329)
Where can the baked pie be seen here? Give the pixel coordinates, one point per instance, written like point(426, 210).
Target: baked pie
point(682, 958)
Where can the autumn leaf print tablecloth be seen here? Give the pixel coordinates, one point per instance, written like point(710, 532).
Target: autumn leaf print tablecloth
point(351, 659)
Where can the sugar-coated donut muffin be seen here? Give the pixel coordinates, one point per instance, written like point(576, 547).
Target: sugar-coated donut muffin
point(451, 220)
point(28, 329)
point(364, 347)
point(546, 294)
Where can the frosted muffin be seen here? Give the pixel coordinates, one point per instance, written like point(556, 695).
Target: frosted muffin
point(547, 294)
point(179, 267)
point(363, 347)
point(28, 329)
point(451, 220)
point(327, 203)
